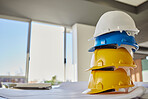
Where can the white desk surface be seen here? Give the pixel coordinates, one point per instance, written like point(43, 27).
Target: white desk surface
point(69, 90)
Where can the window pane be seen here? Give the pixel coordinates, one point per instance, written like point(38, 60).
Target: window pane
point(70, 69)
point(13, 47)
point(47, 52)
point(145, 70)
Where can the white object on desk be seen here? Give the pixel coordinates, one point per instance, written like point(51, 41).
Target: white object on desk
point(67, 90)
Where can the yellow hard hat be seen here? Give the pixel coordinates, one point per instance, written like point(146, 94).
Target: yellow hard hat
point(111, 58)
point(106, 80)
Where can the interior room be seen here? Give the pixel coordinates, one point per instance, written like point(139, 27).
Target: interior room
point(45, 49)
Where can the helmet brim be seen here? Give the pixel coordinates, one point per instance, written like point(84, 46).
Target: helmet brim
point(116, 66)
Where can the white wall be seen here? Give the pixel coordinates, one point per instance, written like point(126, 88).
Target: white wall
point(81, 56)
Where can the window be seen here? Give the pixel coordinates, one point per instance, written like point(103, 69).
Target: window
point(13, 42)
point(70, 68)
point(145, 70)
point(47, 52)
point(13, 48)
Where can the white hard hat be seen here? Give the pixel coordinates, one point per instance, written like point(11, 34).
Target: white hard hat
point(115, 21)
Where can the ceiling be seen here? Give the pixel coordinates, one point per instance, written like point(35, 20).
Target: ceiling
point(132, 2)
point(69, 12)
point(144, 44)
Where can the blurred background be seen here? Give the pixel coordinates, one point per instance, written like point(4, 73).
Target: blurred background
point(41, 39)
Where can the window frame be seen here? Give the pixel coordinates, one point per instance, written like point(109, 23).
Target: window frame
point(28, 45)
point(66, 29)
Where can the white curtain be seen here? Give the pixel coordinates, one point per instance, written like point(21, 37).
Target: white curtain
point(47, 52)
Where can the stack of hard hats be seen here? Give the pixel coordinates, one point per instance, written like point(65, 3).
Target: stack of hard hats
point(113, 53)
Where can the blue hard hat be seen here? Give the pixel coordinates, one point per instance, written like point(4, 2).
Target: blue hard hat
point(109, 40)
